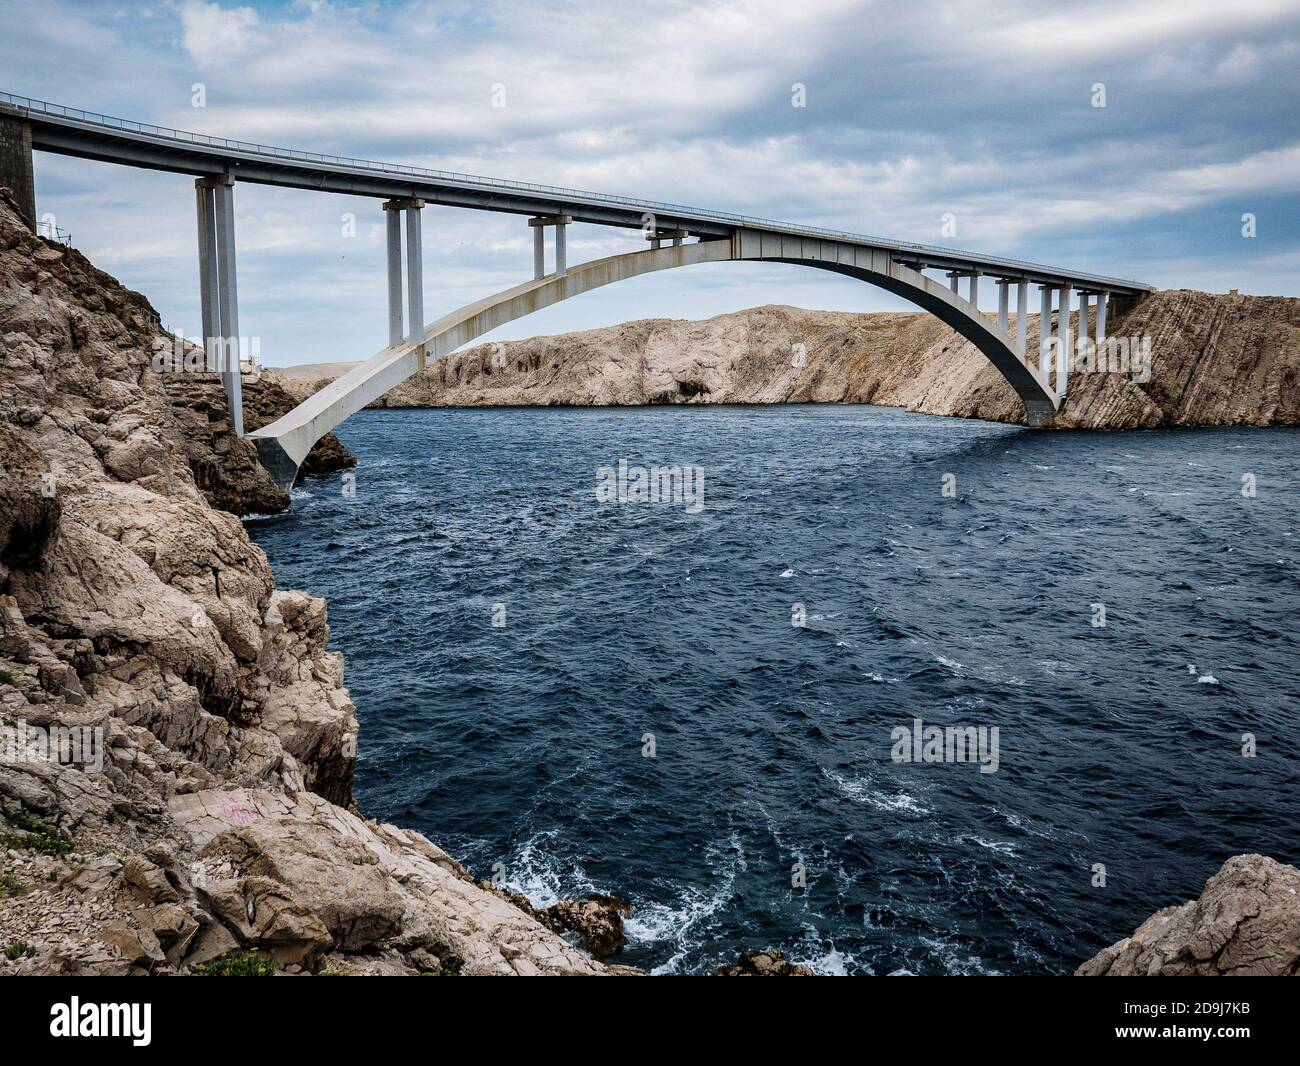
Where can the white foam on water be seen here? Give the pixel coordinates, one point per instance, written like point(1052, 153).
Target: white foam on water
point(534, 873)
point(861, 790)
point(682, 923)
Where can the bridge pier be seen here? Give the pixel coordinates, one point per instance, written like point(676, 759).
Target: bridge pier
point(973, 286)
point(415, 273)
point(1101, 318)
point(1022, 317)
point(405, 323)
point(656, 237)
point(219, 289)
point(1004, 299)
point(539, 226)
point(1063, 348)
point(1045, 331)
point(16, 163)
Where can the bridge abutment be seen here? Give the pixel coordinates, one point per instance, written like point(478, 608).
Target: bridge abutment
point(16, 163)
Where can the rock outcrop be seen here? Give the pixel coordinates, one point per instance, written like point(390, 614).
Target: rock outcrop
point(176, 744)
point(226, 469)
point(1215, 360)
point(1245, 923)
point(769, 963)
point(596, 922)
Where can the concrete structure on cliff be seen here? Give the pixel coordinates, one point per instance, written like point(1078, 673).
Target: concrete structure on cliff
point(677, 236)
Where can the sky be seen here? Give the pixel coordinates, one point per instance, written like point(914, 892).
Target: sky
point(976, 125)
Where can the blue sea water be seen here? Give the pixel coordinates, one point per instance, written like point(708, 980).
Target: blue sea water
point(521, 749)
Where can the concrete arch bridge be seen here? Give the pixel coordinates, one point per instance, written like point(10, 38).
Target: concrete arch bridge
point(678, 236)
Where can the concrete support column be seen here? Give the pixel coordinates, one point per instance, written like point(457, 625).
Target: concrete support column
point(1083, 318)
point(1101, 318)
point(1063, 350)
point(223, 191)
point(1022, 317)
point(394, 225)
point(209, 295)
point(16, 163)
point(975, 291)
point(414, 272)
point(953, 277)
point(1004, 299)
point(657, 237)
point(405, 320)
point(539, 224)
point(1045, 330)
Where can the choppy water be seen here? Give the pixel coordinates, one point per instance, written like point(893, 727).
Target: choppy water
point(523, 745)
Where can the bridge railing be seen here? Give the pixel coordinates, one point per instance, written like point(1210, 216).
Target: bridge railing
point(252, 148)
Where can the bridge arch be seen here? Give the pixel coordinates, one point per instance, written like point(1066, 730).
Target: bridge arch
point(283, 445)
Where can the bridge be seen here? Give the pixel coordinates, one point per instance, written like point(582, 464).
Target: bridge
point(677, 236)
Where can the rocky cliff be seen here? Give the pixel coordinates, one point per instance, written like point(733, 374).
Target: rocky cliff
point(1246, 922)
point(176, 744)
point(1215, 360)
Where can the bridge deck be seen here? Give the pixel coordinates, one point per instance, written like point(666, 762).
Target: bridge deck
point(69, 131)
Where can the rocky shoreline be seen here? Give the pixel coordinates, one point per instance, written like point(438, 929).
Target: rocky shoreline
point(216, 823)
point(1215, 360)
point(203, 820)
point(1245, 923)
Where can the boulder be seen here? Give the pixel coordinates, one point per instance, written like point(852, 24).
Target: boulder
point(769, 963)
point(1245, 923)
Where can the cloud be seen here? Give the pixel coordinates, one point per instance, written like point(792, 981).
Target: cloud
point(979, 109)
point(215, 36)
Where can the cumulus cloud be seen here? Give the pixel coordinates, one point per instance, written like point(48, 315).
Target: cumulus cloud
point(215, 35)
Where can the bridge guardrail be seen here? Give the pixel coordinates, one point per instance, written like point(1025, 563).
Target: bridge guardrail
point(28, 103)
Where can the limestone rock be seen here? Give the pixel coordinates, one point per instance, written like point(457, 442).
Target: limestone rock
point(769, 963)
point(597, 921)
point(1246, 922)
point(214, 813)
point(1216, 360)
point(225, 468)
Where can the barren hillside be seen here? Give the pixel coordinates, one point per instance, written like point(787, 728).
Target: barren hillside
point(1216, 360)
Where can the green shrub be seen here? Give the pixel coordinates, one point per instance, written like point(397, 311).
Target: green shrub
point(238, 964)
point(19, 950)
point(36, 835)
